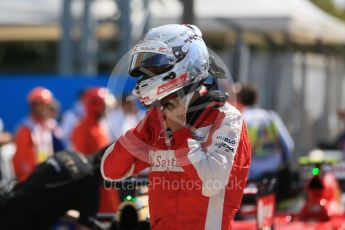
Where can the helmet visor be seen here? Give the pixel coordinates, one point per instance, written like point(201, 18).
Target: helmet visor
point(151, 64)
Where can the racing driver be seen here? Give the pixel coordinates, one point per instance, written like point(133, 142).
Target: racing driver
point(194, 142)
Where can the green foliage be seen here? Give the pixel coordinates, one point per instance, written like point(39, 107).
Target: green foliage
point(330, 7)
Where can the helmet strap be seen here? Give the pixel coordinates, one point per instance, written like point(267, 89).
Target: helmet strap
point(187, 92)
point(187, 98)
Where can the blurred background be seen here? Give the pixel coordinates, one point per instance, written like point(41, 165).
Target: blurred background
point(293, 50)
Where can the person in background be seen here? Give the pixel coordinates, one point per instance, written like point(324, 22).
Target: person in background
point(272, 145)
point(7, 149)
point(91, 134)
point(38, 136)
point(5, 137)
point(71, 118)
point(123, 118)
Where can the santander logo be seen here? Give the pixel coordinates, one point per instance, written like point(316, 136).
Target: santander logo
point(160, 162)
point(164, 160)
point(177, 82)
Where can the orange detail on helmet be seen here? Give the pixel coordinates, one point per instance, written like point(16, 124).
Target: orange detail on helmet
point(40, 94)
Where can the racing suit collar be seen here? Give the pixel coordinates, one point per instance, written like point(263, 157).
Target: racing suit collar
point(214, 98)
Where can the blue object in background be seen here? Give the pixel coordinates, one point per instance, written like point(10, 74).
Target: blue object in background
point(15, 88)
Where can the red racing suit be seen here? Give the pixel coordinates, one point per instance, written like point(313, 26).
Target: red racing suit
point(197, 176)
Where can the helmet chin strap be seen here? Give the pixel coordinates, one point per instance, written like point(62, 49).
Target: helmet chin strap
point(187, 98)
point(188, 92)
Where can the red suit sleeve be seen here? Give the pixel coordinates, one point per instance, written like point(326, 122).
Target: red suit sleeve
point(24, 160)
point(129, 154)
point(211, 164)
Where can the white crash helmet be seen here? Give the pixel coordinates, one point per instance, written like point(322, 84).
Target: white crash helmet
point(167, 59)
